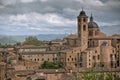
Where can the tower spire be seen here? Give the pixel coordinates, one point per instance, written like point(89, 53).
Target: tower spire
point(91, 18)
point(82, 8)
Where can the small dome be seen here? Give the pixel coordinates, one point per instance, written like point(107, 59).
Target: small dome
point(82, 13)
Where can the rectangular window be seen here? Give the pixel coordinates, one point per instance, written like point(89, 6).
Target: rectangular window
point(80, 64)
point(98, 57)
point(48, 59)
point(81, 59)
point(111, 56)
point(72, 59)
point(89, 63)
point(93, 57)
point(68, 59)
point(42, 59)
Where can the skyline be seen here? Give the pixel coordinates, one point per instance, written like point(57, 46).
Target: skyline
point(32, 17)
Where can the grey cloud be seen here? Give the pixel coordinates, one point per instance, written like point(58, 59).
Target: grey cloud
point(103, 10)
point(109, 30)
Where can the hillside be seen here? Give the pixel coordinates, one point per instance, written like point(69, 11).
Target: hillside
point(14, 39)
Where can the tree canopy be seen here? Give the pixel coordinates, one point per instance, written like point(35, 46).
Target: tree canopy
point(32, 41)
point(50, 65)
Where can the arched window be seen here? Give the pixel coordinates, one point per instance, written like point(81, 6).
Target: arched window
point(84, 27)
point(104, 43)
point(84, 20)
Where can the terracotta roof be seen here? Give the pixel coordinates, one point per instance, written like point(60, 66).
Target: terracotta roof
point(72, 36)
point(32, 46)
point(44, 52)
point(115, 36)
point(2, 63)
point(47, 71)
point(57, 40)
point(100, 38)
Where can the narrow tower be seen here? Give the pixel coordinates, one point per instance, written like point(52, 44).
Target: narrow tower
point(82, 20)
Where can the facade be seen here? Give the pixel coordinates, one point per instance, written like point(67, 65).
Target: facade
point(32, 57)
point(95, 49)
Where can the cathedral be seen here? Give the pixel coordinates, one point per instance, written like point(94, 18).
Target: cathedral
point(91, 47)
point(87, 49)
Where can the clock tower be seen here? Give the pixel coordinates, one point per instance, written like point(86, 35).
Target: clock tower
point(82, 21)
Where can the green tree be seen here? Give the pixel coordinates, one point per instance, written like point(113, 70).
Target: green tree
point(93, 75)
point(32, 41)
point(17, 44)
point(50, 65)
point(6, 46)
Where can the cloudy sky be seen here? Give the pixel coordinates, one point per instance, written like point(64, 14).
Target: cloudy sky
point(31, 17)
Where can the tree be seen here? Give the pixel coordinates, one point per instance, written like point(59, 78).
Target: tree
point(93, 75)
point(17, 44)
point(32, 41)
point(50, 65)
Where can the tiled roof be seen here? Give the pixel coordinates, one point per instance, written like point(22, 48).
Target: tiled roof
point(45, 52)
point(72, 36)
point(32, 46)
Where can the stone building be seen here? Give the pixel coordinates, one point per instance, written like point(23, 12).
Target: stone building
point(94, 49)
point(32, 57)
point(88, 48)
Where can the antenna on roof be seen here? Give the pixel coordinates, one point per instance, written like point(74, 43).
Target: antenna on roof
point(82, 8)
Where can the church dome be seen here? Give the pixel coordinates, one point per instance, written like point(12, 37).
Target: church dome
point(82, 13)
point(92, 24)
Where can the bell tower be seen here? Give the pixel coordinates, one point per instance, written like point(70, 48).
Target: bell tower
point(82, 21)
